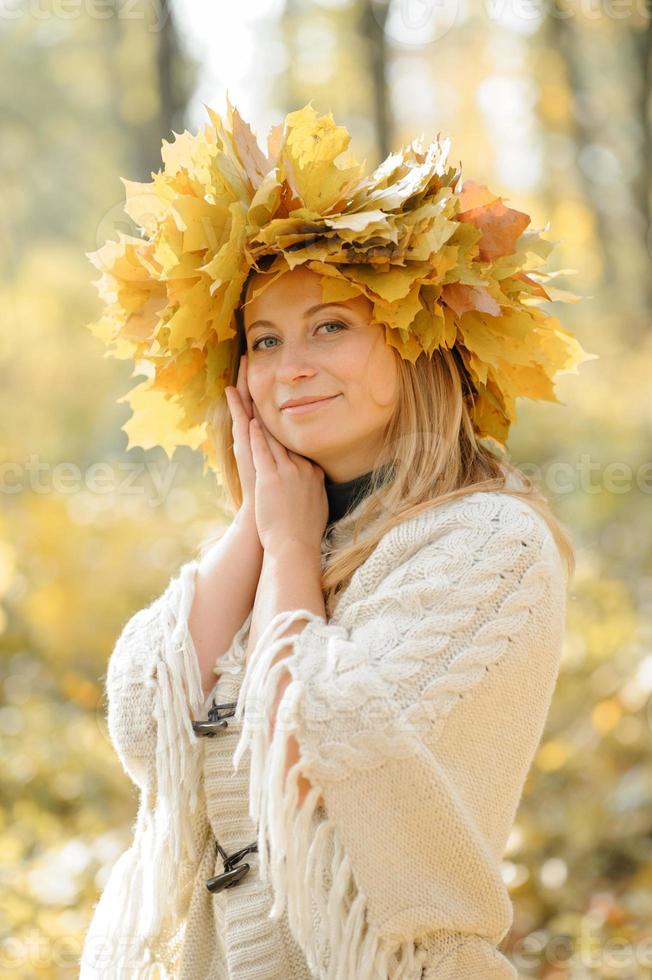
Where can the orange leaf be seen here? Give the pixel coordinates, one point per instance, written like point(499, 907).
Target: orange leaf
point(500, 226)
point(462, 299)
point(537, 288)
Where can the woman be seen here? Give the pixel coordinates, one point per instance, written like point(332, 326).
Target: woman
point(331, 713)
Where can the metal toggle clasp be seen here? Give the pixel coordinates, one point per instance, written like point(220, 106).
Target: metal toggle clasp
point(215, 721)
point(232, 875)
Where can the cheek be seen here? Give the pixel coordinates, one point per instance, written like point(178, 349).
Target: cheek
point(261, 385)
point(258, 383)
point(381, 376)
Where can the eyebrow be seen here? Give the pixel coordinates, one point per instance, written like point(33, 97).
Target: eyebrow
point(306, 314)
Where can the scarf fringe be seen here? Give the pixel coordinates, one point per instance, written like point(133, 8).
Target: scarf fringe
point(179, 699)
point(143, 895)
point(299, 846)
point(113, 946)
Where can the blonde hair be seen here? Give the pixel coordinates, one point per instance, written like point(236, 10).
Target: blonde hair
point(435, 457)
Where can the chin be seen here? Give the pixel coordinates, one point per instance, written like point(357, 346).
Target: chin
point(309, 447)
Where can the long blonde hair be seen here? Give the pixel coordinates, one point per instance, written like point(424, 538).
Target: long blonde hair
point(435, 456)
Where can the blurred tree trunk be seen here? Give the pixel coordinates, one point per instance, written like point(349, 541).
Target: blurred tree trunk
point(172, 90)
point(587, 64)
point(562, 36)
point(173, 100)
point(361, 34)
point(372, 23)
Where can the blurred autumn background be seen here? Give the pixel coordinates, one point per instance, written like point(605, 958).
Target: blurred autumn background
point(549, 104)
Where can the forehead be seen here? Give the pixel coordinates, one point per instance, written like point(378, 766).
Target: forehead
point(296, 290)
point(299, 287)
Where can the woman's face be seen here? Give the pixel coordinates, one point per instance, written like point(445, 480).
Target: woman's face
point(335, 351)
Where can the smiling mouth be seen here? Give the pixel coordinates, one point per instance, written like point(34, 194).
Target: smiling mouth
point(308, 406)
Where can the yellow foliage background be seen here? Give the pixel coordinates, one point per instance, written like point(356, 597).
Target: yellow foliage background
point(552, 112)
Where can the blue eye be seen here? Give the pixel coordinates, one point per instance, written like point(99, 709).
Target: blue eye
point(327, 323)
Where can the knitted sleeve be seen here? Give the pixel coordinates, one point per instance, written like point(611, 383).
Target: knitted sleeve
point(417, 716)
point(154, 692)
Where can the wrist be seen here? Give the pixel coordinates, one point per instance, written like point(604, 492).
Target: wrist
point(245, 521)
point(293, 550)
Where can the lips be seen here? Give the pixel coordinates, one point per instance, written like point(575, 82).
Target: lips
point(308, 406)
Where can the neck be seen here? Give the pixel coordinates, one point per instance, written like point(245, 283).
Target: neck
point(340, 467)
point(344, 495)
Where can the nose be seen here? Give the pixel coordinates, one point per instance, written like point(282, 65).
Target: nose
point(293, 363)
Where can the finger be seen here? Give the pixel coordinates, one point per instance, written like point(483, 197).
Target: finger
point(299, 458)
point(239, 420)
point(240, 430)
point(295, 457)
point(263, 459)
point(277, 449)
point(242, 385)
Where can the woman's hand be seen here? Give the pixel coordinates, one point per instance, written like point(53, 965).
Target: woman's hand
point(290, 498)
point(241, 407)
point(284, 490)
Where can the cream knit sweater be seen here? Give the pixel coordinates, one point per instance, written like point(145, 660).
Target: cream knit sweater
point(418, 708)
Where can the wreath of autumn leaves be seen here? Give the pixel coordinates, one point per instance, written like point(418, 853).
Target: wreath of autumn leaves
point(444, 265)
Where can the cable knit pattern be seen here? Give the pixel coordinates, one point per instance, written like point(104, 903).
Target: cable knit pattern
point(417, 709)
point(457, 602)
point(407, 650)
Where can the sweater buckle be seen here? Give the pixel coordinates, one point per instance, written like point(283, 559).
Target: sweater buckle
point(232, 875)
point(216, 721)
